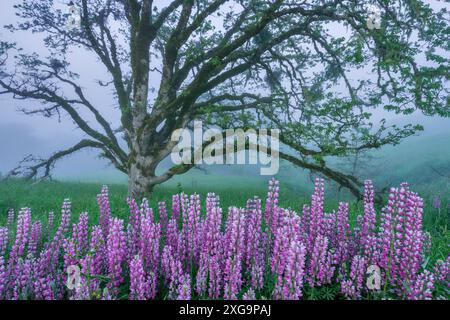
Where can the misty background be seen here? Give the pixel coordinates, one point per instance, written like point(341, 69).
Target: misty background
point(415, 159)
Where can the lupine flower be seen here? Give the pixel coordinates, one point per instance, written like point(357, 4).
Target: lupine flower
point(184, 289)
point(320, 265)
point(436, 203)
point(441, 271)
point(292, 283)
point(176, 207)
point(316, 227)
point(97, 249)
point(137, 279)
point(22, 235)
point(105, 211)
point(11, 218)
point(4, 240)
point(163, 218)
point(149, 241)
point(35, 238)
point(3, 277)
point(422, 287)
point(352, 287)
point(270, 213)
point(116, 251)
point(233, 253)
point(80, 233)
point(280, 251)
point(249, 295)
point(368, 241)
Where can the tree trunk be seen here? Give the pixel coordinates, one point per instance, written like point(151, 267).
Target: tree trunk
point(141, 177)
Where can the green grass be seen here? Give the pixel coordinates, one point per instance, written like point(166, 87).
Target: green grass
point(48, 196)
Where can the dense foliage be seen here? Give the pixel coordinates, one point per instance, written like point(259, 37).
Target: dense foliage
point(252, 252)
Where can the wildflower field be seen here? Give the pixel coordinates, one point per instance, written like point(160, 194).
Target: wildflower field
point(194, 246)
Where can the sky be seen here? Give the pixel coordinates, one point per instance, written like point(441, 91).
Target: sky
point(21, 135)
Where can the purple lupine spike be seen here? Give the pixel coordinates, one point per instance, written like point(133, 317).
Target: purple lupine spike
point(97, 249)
point(293, 276)
point(253, 231)
point(149, 241)
point(343, 234)
point(172, 234)
point(22, 235)
point(317, 214)
point(145, 210)
point(357, 271)
point(271, 210)
point(35, 238)
point(80, 233)
point(436, 203)
point(320, 268)
point(386, 234)
point(11, 218)
point(249, 295)
point(42, 289)
point(70, 254)
point(105, 210)
point(176, 207)
point(163, 218)
point(133, 228)
point(234, 249)
point(137, 279)
point(3, 277)
point(441, 271)
point(422, 287)
point(367, 236)
point(116, 252)
point(210, 237)
point(184, 289)
point(4, 240)
point(22, 277)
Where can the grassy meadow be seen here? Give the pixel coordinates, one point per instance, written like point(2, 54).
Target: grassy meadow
point(45, 196)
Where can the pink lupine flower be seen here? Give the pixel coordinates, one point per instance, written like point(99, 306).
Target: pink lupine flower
point(3, 277)
point(271, 211)
point(22, 235)
point(116, 251)
point(184, 289)
point(283, 248)
point(249, 295)
point(176, 207)
point(352, 287)
point(11, 218)
point(163, 218)
point(81, 233)
point(292, 281)
point(105, 211)
point(4, 240)
point(137, 279)
point(343, 235)
point(43, 289)
point(35, 238)
point(320, 268)
point(233, 253)
point(316, 227)
point(386, 234)
point(149, 241)
point(422, 287)
point(441, 271)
